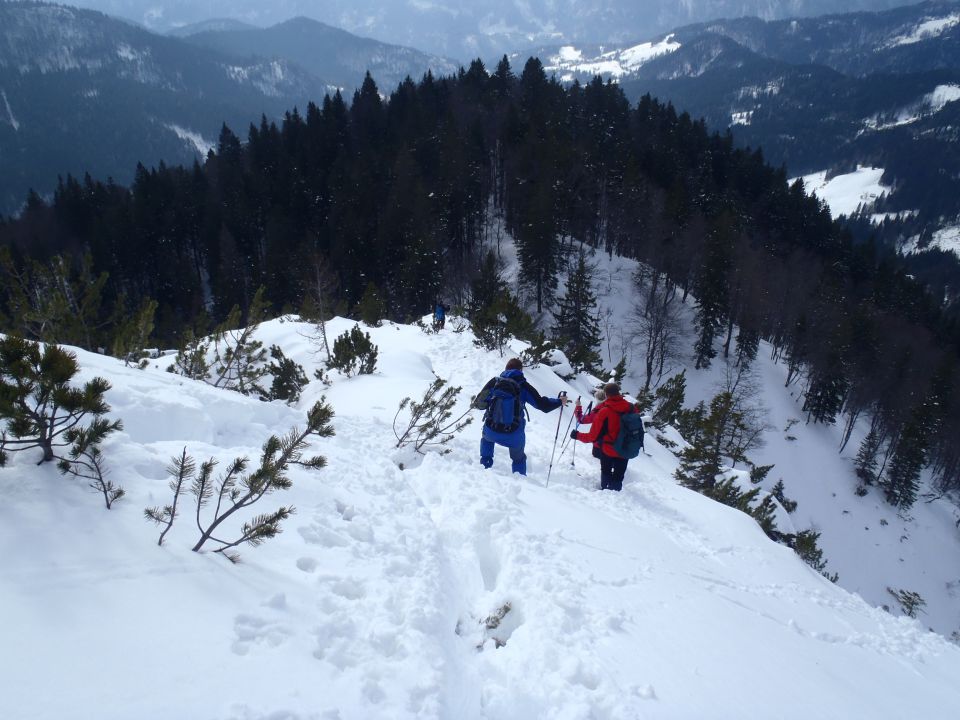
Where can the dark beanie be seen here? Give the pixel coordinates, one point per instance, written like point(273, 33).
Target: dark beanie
point(611, 389)
point(514, 364)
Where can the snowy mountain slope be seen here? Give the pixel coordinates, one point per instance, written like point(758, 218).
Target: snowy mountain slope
point(82, 92)
point(379, 598)
point(863, 539)
point(328, 52)
point(569, 62)
point(467, 30)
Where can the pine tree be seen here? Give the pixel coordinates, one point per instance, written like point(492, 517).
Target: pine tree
point(85, 459)
point(712, 290)
point(57, 302)
point(429, 421)
point(289, 379)
point(191, 358)
point(371, 309)
point(181, 469)
point(237, 490)
point(828, 389)
point(669, 399)
point(577, 328)
point(239, 359)
point(902, 480)
point(132, 334)
point(354, 352)
point(494, 313)
point(866, 460)
point(39, 405)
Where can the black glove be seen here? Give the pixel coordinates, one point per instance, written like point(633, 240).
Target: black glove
point(573, 435)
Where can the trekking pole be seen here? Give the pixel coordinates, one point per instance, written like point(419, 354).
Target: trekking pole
point(569, 440)
point(566, 433)
point(561, 394)
point(573, 455)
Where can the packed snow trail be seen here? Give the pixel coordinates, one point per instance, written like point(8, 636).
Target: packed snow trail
point(440, 590)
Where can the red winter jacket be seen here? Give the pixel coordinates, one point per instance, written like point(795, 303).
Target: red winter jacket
point(606, 424)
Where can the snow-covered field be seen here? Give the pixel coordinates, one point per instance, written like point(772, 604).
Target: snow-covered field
point(946, 239)
point(608, 63)
point(442, 590)
point(845, 193)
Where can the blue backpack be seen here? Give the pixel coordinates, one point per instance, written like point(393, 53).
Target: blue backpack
point(629, 441)
point(504, 406)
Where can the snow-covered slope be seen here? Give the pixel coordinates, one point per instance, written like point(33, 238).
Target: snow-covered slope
point(569, 61)
point(382, 596)
point(844, 194)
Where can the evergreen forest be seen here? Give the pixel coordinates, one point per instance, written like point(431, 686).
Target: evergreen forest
point(376, 208)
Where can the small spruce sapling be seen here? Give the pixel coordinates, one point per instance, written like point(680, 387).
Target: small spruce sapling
point(191, 358)
point(669, 399)
point(354, 352)
point(239, 359)
point(289, 379)
point(237, 490)
point(910, 602)
point(181, 469)
point(39, 405)
point(788, 505)
point(429, 422)
point(85, 458)
point(539, 351)
point(758, 473)
point(132, 335)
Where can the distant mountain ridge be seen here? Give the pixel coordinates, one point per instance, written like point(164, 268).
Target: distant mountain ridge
point(336, 55)
point(465, 29)
point(827, 93)
point(82, 92)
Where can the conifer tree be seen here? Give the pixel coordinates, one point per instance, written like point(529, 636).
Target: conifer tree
point(371, 309)
point(132, 334)
point(354, 352)
point(866, 460)
point(577, 328)
point(39, 406)
point(191, 358)
point(902, 480)
point(239, 359)
point(321, 284)
point(181, 469)
point(493, 311)
point(712, 290)
point(85, 459)
point(289, 378)
point(828, 388)
point(236, 490)
point(57, 302)
point(429, 421)
point(669, 399)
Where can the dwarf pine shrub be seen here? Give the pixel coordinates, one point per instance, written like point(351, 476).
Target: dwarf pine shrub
point(354, 352)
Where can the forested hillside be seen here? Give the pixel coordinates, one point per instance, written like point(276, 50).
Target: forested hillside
point(377, 208)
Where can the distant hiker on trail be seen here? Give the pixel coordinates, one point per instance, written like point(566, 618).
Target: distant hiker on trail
point(503, 399)
point(440, 316)
point(617, 433)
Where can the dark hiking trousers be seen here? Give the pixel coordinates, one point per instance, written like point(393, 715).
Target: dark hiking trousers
point(611, 472)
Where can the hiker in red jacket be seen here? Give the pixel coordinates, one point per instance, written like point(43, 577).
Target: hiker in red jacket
point(603, 431)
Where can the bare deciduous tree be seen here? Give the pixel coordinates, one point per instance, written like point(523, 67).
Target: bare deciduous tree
point(656, 325)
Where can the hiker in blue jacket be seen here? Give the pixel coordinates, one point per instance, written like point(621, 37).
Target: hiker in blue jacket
point(439, 316)
point(503, 398)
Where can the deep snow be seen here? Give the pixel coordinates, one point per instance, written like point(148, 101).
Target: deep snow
point(374, 602)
